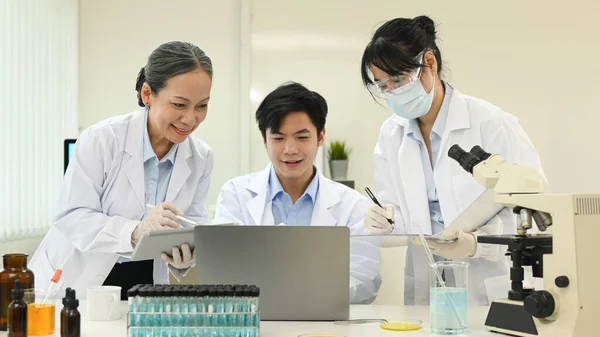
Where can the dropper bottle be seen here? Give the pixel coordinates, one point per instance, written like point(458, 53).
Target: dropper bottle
point(70, 318)
point(17, 313)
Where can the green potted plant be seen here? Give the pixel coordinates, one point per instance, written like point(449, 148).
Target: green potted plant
point(338, 154)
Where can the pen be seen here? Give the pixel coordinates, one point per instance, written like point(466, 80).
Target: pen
point(372, 196)
point(184, 219)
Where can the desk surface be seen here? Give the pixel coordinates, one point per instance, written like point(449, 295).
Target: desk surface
point(293, 329)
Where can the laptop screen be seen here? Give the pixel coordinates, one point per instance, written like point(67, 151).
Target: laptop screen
point(68, 149)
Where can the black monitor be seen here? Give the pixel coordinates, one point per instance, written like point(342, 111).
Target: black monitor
point(68, 149)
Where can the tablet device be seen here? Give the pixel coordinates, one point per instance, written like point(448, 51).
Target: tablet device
point(151, 245)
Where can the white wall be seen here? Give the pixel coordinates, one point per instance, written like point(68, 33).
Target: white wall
point(116, 37)
point(533, 59)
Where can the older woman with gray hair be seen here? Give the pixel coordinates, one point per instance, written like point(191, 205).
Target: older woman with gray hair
point(121, 165)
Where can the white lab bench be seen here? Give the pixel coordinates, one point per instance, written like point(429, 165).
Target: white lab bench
point(476, 318)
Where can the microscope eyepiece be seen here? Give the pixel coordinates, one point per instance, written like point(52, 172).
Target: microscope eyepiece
point(465, 159)
point(480, 153)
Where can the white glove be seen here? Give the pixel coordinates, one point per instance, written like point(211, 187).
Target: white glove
point(160, 217)
point(181, 259)
point(376, 219)
point(464, 246)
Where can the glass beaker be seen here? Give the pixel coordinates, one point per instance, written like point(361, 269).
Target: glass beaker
point(40, 315)
point(448, 297)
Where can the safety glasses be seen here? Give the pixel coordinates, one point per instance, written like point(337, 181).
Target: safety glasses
point(394, 85)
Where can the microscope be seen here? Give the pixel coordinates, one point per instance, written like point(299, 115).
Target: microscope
point(567, 305)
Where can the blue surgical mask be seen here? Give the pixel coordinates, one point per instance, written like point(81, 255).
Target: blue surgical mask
point(413, 102)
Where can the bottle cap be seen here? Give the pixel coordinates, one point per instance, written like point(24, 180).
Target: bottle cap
point(64, 300)
point(130, 293)
point(70, 299)
point(212, 291)
point(220, 292)
point(238, 291)
point(255, 291)
point(229, 292)
point(143, 292)
point(201, 292)
point(151, 292)
point(246, 291)
point(17, 292)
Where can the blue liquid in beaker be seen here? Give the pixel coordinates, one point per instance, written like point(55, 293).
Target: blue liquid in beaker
point(443, 316)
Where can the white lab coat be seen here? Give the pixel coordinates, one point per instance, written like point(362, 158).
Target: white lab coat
point(400, 180)
point(244, 200)
point(102, 200)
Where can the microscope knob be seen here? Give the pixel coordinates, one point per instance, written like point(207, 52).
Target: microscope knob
point(561, 281)
point(540, 304)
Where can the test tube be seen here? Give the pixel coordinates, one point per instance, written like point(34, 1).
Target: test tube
point(201, 294)
point(246, 306)
point(211, 302)
point(185, 305)
point(131, 301)
point(159, 305)
point(254, 294)
point(193, 307)
point(142, 306)
point(167, 317)
point(229, 304)
point(238, 294)
point(151, 316)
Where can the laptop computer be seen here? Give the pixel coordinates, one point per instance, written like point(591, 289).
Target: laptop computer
point(302, 271)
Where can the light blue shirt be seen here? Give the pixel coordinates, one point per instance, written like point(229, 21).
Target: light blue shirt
point(284, 210)
point(157, 174)
point(414, 132)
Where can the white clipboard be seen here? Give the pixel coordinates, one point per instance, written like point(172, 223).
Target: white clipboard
point(476, 215)
point(151, 245)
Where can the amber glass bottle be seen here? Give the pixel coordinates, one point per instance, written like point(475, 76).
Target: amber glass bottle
point(15, 268)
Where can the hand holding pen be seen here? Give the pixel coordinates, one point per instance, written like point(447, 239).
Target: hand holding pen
point(379, 219)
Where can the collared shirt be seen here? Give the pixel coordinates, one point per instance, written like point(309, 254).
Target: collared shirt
point(157, 173)
point(437, 221)
point(287, 212)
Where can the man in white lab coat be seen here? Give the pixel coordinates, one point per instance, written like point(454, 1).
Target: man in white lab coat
point(291, 191)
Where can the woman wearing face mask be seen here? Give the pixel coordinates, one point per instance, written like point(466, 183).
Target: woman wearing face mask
point(419, 186)
point(121, 165)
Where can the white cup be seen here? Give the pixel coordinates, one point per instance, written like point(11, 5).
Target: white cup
point(104, 303)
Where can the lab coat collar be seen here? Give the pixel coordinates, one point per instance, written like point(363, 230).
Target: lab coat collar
point(181, 169)
point(275, 186)
point(148, 151)
point(134, 166)
point(325, 199)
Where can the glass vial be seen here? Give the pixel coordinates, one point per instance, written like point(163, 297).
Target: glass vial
point(17, 313)
point(70, 318)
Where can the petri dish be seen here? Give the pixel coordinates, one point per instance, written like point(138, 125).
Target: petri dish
point(407, 325)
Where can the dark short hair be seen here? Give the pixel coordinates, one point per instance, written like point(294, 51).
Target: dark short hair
point(396, 44)
point(169, 60)
point(287, 98)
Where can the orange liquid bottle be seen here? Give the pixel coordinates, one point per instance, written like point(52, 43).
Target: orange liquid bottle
point(41, 319)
